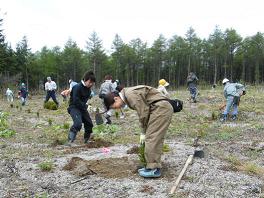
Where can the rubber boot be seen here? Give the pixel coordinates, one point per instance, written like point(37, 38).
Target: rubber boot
point(71, 136)
point(234, 117)
point(223, 118)
point(86, 137)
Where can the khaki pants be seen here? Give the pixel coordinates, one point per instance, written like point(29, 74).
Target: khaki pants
point(159, 121)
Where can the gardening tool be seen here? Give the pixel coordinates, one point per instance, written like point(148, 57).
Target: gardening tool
point(198, 152)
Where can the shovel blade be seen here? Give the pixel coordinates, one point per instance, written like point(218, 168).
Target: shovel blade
point(199, 153)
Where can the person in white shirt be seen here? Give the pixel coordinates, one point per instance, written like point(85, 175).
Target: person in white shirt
point(162, 87)
point(9, 95)
point(50, 87)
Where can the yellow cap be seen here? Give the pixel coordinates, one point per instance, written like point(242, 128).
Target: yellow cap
point(163, 82)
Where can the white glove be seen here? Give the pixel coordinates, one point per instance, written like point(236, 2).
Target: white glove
point(142, 138)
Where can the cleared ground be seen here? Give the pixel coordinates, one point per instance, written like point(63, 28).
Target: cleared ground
point(35, 163)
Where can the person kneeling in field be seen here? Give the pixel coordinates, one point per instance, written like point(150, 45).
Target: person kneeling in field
point(155, 113)
point(80, 94)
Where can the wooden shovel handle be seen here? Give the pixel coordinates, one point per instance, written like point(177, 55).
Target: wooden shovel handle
point(188, 161)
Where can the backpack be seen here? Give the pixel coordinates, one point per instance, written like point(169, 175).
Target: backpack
point(176, 104)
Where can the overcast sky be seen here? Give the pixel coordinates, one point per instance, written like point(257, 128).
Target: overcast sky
point(52, 22)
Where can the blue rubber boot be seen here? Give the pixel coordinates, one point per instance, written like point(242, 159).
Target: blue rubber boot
point(150, 173)
point(71, 136)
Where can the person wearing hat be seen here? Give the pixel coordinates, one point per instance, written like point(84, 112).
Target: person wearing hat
point(23, 93)
point(232, 93)
point(154, 112)
point(79, 96)
point(162, 87)
point(192, 81)
point(107, 87)
point(50, 87)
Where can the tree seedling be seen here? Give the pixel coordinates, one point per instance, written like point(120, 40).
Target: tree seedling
point(45, 166)
point(116, 114)
point(141, 154)
point(50, 121)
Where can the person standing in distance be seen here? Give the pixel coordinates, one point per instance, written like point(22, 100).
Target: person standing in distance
point(162, 87)
point(50, 87)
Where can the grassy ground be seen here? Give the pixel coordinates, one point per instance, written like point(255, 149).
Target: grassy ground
point(40, 132)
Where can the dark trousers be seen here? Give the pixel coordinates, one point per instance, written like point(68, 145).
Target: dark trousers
point(51, 94)
point(79, 117)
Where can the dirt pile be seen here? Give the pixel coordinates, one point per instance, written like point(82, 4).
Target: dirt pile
point(108, 168)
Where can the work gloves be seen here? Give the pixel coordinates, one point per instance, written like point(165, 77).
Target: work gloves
point(142, 138)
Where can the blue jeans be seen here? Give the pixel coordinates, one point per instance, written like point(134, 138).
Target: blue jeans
point(23, 101)
point(193, 92)
point(231, 101)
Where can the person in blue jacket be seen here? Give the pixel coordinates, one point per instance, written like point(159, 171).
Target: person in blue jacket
point(232, 93)
point(192, 81)
point(79, 96)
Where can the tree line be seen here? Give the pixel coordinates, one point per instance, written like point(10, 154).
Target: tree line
point(222, 54)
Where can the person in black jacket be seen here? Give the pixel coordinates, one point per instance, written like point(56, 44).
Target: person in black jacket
point(80, 94)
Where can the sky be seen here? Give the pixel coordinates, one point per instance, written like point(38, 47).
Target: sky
point(52, 22)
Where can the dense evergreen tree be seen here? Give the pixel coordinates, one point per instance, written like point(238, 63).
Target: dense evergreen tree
point(223, 54)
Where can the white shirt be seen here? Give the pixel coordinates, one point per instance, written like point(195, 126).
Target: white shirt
point(49, 86)
point(9, 92)
point(72, 84)
point(163, 90)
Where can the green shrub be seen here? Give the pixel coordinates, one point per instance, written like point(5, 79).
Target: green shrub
point(105, 129)
point(50, 105)
point(165, 148)
point(251, 168)
point(214, 115)
point(46, 166)
point(6, 133)
point(66, 125)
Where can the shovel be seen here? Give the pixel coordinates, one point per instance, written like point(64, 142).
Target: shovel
point(198, 152)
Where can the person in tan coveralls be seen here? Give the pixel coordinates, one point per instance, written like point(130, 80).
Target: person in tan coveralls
point(154, 112)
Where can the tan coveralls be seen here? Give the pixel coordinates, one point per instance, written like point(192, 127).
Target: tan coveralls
point(155, 118)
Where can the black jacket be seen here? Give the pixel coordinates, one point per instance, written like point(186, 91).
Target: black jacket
point(79, 97)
